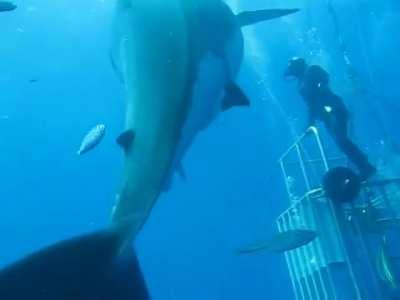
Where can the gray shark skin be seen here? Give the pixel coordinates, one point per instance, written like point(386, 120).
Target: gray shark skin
point(218, 44)
point(151, 52)
point(89, 267)
point(178, 65)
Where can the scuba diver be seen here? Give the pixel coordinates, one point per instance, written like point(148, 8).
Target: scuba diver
point(325, 106)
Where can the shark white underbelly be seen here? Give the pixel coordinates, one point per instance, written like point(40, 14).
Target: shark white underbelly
point(178, 60)
point(214, 74)
point(207, 95)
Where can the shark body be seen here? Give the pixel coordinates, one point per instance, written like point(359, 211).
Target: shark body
point(178, 78)
point(177, 59)
point(152, 53)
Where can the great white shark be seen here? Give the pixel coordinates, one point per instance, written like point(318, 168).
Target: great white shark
point(178, 60)
point(177, 81)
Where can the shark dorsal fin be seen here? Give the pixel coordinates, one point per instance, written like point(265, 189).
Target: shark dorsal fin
point(252, 17)
point(125, 140)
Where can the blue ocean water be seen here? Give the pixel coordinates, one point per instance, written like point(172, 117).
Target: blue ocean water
point(234, 190)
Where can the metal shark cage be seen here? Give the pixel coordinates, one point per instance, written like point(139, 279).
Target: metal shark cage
point(354, 256)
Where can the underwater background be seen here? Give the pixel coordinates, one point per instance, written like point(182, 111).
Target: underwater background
point(57, 82)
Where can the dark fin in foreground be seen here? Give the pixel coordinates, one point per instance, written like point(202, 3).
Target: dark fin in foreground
point(125, 140)
point(7, 6)
point(83, 268)
point(234, 97)
point(252, 17)
point(283, 241)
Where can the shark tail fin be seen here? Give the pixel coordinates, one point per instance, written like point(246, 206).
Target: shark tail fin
point(87, 267)
point(252, 17)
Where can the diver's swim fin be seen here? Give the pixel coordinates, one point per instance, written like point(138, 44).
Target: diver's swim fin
point(82, 268)
point(234, 97)
point(252, 17)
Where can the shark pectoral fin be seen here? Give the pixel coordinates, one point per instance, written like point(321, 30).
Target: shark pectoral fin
point(125, 140)
point(252, 17)
point(234, 97)
point(181, 171)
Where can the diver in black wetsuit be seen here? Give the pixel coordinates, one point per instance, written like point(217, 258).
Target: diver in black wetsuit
point(327, 107)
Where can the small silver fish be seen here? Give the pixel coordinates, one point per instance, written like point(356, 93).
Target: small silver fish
point(7, 6)
point(92, 139)
point(283, 241)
